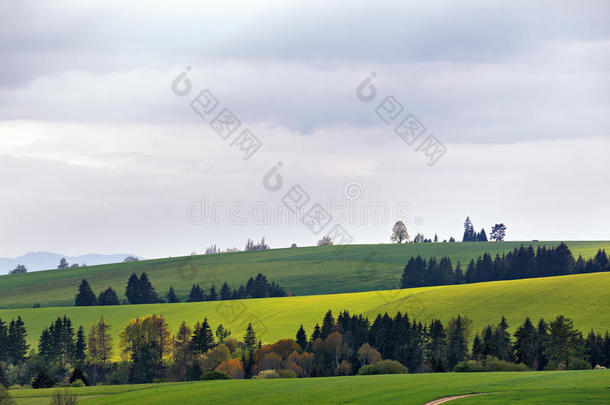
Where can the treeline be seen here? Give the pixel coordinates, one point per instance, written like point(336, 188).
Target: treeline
point(349, 344)
point(522, 262)
point(141, 291)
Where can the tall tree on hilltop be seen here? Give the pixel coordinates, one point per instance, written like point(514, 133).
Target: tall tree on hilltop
point(399, 233)
point(498, 232)
point(147, 291)
point(469, 234)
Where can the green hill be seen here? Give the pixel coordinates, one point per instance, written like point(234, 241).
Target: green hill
point(583, 298)
point(302, 271)
point(559, 387)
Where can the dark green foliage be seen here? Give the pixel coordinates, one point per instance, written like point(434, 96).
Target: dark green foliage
point(3, 377)
point(564, 344)
point(457, 349)
point(501, 342)
point(85, 296)
point(197, 294)
point(43, 380)
point(327, 325)
point(436, 348)
point(57, 344)
point(79, 374)
point(250, 338)
point(3, 341)
point(108, 297)
point(225, 292)
point(214, 375)
point(144, 363)
point(16, 347)
point(259, 287)
point(469, 233)
point(171, 296)
point(203, 338)
point(498, 232)
point(525, 346)
point(301, 338)
point(212, 295)
point(140, 291)
point(489, 364)
point(80, 347)
point(383, 367)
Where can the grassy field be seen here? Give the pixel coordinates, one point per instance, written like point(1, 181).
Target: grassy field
point(303, 271)
point(563, 387)
point(583, 298)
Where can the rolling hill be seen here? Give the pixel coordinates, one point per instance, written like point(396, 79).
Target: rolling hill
point(583, 298)
point(302, 271)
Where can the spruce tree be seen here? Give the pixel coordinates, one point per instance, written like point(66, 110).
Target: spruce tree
point(132, 291)
point(203, 338)
point(171, 296)
point(85, 296)
point(3, 341)
point(225, 292)
point(524, 347)
point(327, 325)
point(147, 291)
point(80, 347)
point(301, 338)
point(457, 349)
point(17, 345)
point(250, 339)
point(197, 294)
point(502, 346)
point(212, 295)
point(108, 297)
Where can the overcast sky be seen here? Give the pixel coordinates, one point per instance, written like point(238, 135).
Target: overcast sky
point(98, 154)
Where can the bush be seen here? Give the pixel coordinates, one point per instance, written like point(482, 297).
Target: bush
point(5, 398)
point(160, 380)
point(490, 364)
point(79, 374)
point(383, 367)
point(214, 375)
point(578, 364)
point(266, 374)
point(286, 373)
point(15, 387)
point(43, 380)
point(78, 384)
point(64, 397)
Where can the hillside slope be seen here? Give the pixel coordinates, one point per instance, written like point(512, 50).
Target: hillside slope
point(581, 297)
point(303, 271)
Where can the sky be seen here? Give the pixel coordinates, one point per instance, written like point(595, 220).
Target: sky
point(114, 134)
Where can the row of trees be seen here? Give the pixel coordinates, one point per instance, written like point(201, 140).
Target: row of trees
point(141, 291)
point(400, 234)
point(522, 262)
point(346, 345)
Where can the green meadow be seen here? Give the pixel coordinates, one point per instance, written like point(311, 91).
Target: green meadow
point(302, 271)
point(564, 387)
point(584, 298)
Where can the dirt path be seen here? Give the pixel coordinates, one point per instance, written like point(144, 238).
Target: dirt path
point(447, 399)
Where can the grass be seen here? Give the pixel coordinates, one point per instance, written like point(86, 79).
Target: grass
point(564, 387)
point(303, 271)
point(584, 298)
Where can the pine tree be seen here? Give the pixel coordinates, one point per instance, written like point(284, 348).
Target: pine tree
point(225, 292)
point(212, 296)
point(85, 296)
point(457, 349)
point(502, 346)
point(302, 338)
point(132, 291)
point(203, 338)
point(3, 341)
point(197, 294)
point(482, 236)
point(436, 348)
point(182, 352)
point(17, 346)
point(3, 382)
point(564, 344)
point(250, 339)
point(147, 291)
point(171, 296)
point(80, 347)
point(327, 325)
point(108, 297)
point(222, 333)
point(458, 276)
point(469, 234)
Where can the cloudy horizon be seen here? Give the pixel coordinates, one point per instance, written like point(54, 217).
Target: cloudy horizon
point(98, 153)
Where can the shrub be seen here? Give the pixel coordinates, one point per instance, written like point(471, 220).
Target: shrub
point(232, 367)
point(383, 367)
point(79, 374)
point(214, 375)
point(578, 364)
point(160, 380)
point(5, 398)
point(15, 387)
point(490, 364)
point(43, 380)
point(78, 384)
point(284, 373)
point(265, 374)
point(64, 397)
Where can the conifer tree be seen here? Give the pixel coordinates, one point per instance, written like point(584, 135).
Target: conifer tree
point(171, 296)
point(85, 296)
point(327, 325)
point(17, 345)
point(301, 338)
point(250, 339)
point(132, 291)
point(225, 292)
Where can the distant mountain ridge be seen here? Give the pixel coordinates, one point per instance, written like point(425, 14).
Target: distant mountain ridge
point(35, 261)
